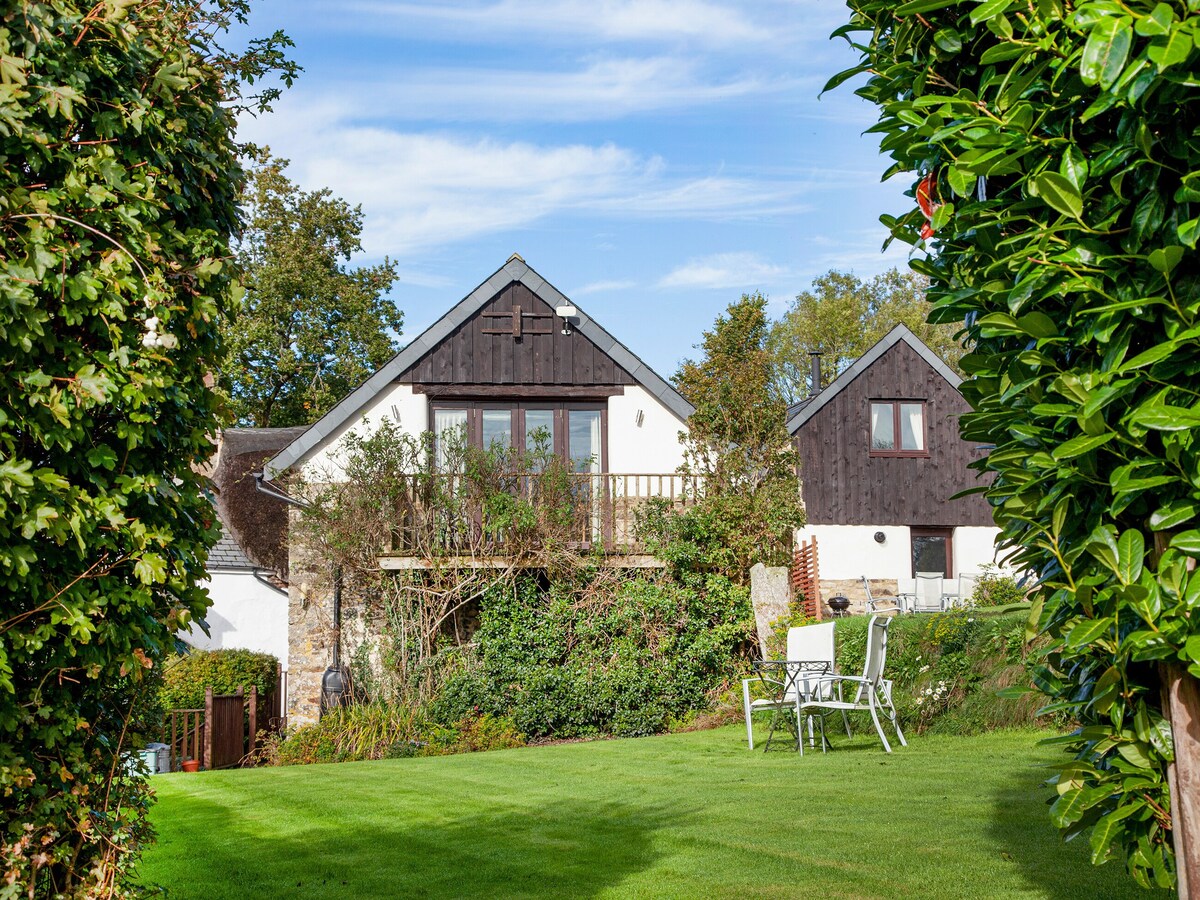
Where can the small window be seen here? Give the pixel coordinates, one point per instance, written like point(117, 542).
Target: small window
point(898, 428)
point(931, 551)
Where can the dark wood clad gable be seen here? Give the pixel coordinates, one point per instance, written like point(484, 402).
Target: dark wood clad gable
point(845, 485)
point(484, 351)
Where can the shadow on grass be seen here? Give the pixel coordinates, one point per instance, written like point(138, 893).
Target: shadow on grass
point(1057, 870)
point(566, 850)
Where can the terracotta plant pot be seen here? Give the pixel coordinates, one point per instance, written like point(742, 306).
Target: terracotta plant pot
point(191, 765)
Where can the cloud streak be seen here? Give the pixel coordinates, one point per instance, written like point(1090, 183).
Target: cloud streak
point(423, 190)
point(711, 24)
point(604, 90)
point(745, 271)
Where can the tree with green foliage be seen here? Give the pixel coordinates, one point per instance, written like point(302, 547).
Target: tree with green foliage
point(750, 503)
point(1057, 143)
point(307, 330)
point(841, 318)
point(119, 195)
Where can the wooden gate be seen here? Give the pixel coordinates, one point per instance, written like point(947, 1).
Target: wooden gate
point(225, 732)
point(806, 579)
point(225, 727)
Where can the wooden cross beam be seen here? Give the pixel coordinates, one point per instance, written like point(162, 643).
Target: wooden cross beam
point(516, 329)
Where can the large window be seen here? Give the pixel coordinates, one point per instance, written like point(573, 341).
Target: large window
point(898, 428)
point(931, 551)
point(575, 431)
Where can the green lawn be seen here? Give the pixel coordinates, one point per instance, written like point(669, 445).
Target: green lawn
point(689, 815)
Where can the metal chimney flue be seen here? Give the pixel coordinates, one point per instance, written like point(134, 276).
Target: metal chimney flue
point(814, 387)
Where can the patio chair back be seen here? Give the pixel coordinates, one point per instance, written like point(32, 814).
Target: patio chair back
point(966, 587)
point(929, 591)
point(811, 642)
point(877, 632)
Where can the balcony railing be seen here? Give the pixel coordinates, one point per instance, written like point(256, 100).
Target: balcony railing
point(450, 515)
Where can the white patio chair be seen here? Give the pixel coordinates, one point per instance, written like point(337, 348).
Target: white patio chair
point(874, 692)
point(881, 604)
point(928, 594)
point(808, 643)
point(906, 593)
point(967, 582)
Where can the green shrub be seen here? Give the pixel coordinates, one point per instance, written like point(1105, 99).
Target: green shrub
point(186, 677)
point(995, 589)
point(119, 186)
point(628, 663)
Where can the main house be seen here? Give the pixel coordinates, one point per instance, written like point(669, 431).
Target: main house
point(881, 459)
point(513, 362)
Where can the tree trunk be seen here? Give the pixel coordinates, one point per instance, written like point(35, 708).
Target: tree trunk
point(1181, 705)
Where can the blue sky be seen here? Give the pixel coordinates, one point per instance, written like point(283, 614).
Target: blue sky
point(653, 160)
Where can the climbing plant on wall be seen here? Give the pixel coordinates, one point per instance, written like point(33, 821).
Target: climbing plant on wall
point(1053, 152)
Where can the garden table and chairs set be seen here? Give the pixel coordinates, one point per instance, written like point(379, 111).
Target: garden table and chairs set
point(805, 689)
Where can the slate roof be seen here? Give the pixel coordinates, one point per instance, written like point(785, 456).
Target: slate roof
point(806, 409)
point(516, 269)
point(227, 555)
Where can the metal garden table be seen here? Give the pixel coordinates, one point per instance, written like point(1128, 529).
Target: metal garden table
point(783, 677)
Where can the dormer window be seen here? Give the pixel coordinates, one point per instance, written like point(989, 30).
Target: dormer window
point(898, 428)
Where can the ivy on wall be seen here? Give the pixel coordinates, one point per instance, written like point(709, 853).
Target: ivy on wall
point(1054, 147)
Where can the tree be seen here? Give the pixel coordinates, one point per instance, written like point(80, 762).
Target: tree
point(750, 500)
point(1057, 145)
point(119, 196)
point(307, 329)
point(842, 317)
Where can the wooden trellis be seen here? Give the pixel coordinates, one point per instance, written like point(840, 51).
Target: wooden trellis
point(806, 578)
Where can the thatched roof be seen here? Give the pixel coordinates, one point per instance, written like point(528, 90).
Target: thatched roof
point(255, 522)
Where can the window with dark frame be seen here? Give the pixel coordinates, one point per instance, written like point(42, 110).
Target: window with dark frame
point(898, 428)
point(574, 430)
point(932, 551)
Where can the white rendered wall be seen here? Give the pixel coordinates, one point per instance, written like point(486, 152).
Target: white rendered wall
point(850, 551)
point(974, 547)
point(245, 615)
point(397, 403)
point(651, 447)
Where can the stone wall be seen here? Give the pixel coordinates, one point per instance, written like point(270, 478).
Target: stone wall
point(853, 590)
point(310, 629)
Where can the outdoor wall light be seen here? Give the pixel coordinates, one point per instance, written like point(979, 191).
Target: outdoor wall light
point(639, 418)
point(880, 537)
point(565, 312)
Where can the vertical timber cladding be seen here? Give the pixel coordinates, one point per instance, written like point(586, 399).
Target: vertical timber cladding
point(845, 485)
point(516, 339)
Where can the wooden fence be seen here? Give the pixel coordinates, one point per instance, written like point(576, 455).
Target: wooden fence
point(806, 578)
point(225, 732)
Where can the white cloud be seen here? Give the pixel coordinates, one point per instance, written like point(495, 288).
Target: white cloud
point(601, 287)
point(613, 20)
point(860, 252)
point(744, 271)
point(605, 89)
point(422, 190)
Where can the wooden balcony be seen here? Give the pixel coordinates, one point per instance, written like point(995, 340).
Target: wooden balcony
point(448, 518)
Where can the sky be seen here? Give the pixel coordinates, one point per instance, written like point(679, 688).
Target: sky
point(652, 159)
